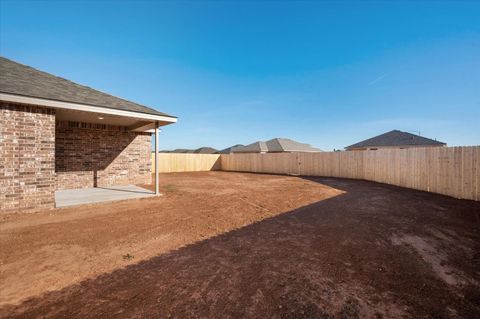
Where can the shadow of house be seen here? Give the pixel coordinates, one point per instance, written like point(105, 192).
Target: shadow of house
point(330, 259)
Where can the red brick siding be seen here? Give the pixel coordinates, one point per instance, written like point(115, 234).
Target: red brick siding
point(89, 155)
point(27, 152)
point(38, 156)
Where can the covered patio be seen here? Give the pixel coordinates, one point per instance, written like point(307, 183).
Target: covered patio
point(68, 144)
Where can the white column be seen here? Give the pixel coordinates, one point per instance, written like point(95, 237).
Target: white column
point(157, 191)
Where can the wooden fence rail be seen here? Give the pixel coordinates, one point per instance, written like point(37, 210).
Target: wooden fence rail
point(452, 171)
point(177, 162)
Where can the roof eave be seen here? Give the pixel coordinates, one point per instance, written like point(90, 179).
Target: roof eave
point(14, 98)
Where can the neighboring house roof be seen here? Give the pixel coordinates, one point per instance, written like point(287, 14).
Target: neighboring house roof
point(205, 150)
point(230, 149)
point(19, 79)
point(201, 150)
point(288, 145)
point(396, 138)
point(256, 147)
point(178, 150)
point(277, 145)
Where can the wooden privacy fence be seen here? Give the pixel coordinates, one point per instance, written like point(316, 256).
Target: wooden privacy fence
point(452, 171)
point(177, 162)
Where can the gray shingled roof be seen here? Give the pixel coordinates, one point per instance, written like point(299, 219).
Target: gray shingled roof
point(206, 150)
point(277, 145)
point(396, 138)
point(201, 150)
point(19, 79)
point(256, 147)
point(230, 149)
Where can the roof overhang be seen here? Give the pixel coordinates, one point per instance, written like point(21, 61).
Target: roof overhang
point(145, 120)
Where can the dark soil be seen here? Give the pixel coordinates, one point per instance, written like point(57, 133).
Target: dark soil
point(232, 245)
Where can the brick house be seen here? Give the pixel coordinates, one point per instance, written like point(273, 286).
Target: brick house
point(56, 134)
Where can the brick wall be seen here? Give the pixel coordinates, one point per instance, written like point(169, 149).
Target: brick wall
point(27, 157)
point(89, 155)
point(38, 156)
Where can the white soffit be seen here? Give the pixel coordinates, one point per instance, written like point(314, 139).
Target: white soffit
point(164, 120)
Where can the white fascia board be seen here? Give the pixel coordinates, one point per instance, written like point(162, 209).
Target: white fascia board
point(83, 107)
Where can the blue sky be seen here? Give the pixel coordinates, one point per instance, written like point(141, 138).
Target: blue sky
point(325, 73)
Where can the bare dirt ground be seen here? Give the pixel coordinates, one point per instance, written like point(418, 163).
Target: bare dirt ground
point(232, 245)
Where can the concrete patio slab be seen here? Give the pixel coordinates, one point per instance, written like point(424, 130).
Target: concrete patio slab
point(71, 197)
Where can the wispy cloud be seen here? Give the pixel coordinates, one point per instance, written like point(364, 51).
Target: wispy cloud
point(378, 79)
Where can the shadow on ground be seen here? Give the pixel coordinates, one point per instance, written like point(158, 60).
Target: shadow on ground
point(350, 256)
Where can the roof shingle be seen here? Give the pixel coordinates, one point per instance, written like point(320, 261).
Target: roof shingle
point(19, 79)
point(396, 138)
point(277, 145)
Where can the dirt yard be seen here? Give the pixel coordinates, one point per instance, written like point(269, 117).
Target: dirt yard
point(232, 245)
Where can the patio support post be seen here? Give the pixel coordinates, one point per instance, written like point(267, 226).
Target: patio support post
point(157, 192)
